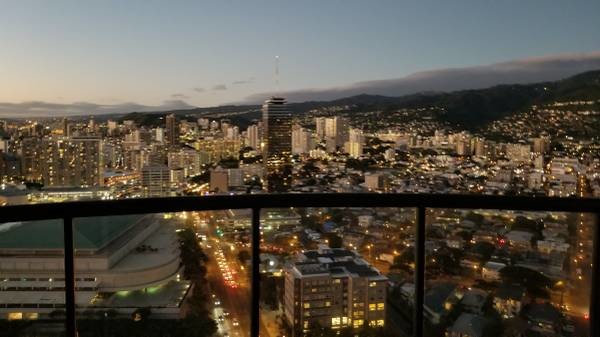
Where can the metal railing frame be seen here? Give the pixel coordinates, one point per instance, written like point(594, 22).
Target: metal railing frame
point(70, 210)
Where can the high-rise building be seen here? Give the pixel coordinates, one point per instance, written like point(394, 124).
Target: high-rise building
point(66, 131)
point(354, 145)
point(302, 141)
point(333, 288)
point(277, 122)
point(253, 137)
point(156, 180)
point(112, 126)
point(159, 135)
point(541, 145)
point(219, 180)
point(172, 130)
point(336, 128)
point(64, 161)
point(320, 127)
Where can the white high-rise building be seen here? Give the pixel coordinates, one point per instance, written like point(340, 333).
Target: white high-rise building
point(159, 135)
point(354, 145)
point(301, 141)
point(336, 128)
point(320, 127)
point(253, 137)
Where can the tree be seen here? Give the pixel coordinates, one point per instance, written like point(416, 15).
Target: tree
point(405, 258)
point(535, 283)
point(335, 241)
point(476, 218)
point(243, 256)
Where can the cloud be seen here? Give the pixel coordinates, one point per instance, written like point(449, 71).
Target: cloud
point(521, 71)
point(45, 109)
point(179, 96)
point(199, 90)
point(219, 87)
point(246, 81)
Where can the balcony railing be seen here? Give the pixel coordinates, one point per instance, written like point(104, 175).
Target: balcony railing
point(420, 202)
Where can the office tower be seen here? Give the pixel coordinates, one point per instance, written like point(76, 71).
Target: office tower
point(320, 127)
point(277, 138)
point(172, 130)
point(277, 121)
point(253, 137)
point(302, 141)
point(66, 131)
point(336, 128)
point(155, 180)
point(333, 288)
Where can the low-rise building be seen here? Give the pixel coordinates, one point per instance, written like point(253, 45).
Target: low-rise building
point(333, 288)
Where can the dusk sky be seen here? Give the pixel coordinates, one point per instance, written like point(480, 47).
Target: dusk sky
point(208, 53)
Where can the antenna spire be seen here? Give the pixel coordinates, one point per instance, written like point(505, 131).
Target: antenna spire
point(277, 73)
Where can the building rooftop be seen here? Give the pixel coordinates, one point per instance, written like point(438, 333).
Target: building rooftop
point(337, 262)
point(468, 325)
point(514, 292)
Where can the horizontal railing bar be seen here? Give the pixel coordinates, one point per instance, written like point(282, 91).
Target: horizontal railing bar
point(221, 202)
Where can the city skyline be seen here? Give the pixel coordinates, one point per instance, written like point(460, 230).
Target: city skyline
point(67, 54)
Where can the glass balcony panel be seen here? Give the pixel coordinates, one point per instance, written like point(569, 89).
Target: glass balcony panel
point(507, 272)
point(32, 298)
point(161, 274)
point(336, 270)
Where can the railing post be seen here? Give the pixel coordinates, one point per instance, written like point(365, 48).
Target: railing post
point(419, 272)
point(255, 310)
point(595, 301)
point(69, 257)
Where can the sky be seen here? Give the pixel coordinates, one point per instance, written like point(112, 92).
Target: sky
point(205, 53)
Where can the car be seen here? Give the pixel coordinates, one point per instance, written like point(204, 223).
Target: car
point(235, 322)
point(225, 313)
point(217, 301)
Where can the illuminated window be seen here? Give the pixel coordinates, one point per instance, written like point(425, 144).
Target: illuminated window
point(372, 307)
point(336, 320)
point(327, 303)
point(305, 324)
point(337, 280)
point(373, 323)
point(344, 320)
point(32, 315)
point(380, 322)
point(15, 316)
point(380, 306)
point(372, 284)
point(306, 305)
point(358, 323)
